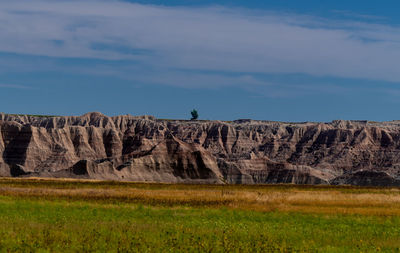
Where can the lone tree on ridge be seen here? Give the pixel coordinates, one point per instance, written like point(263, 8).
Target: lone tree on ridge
point(195, 115)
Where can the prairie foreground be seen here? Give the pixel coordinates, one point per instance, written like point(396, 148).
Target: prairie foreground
point(86, 216)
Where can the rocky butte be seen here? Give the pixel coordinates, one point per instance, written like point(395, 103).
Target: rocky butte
point(144, 148)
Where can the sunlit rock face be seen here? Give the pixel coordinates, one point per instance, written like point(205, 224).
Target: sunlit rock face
point(240, 152)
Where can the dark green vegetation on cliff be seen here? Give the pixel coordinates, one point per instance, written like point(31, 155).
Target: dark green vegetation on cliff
point(76, 216)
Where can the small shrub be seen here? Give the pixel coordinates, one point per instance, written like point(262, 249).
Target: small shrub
point(195, 114)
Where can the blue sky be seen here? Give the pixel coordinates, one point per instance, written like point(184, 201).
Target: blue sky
point(272, 60)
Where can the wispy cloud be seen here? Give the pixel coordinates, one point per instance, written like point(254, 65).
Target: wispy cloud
point(14, 86)
point(163, 39)
point(353, 15)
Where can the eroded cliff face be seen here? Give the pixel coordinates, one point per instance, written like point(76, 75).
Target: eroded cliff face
point(244, 151)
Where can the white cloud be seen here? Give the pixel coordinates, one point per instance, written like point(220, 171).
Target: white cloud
point(214, 38)
point(14, 86)
point(198, 80)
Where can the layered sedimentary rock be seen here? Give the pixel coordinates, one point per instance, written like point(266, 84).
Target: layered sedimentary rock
point(244, 151)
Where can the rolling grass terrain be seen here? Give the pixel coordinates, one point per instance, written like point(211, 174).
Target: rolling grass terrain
point(88, 216)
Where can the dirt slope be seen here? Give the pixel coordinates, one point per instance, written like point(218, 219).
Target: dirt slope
point(244, 151)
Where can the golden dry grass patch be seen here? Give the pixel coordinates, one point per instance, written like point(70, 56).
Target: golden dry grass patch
point(366, 201)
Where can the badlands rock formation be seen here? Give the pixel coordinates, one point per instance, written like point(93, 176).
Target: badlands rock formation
point(244, 151)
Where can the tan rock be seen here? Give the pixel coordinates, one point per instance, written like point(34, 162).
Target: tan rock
point(244, 151)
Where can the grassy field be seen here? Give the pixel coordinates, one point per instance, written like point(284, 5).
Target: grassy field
point(88, 216)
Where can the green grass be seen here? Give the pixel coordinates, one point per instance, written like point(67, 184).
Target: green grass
point(72, 222)
point(28, 225)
